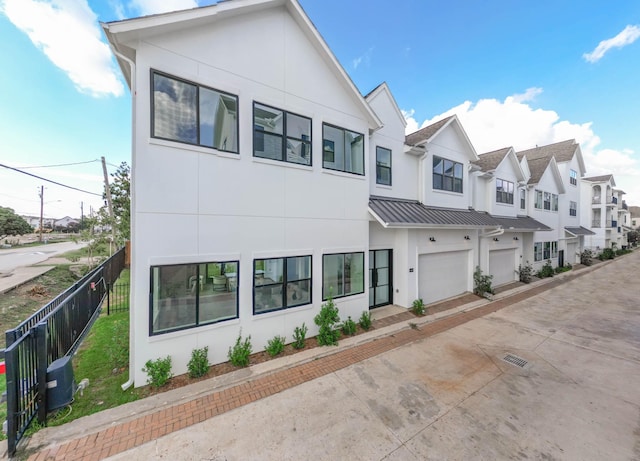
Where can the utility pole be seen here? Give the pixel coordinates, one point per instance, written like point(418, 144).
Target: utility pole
point(109, 205)
point(41, 210)
point(81, 215)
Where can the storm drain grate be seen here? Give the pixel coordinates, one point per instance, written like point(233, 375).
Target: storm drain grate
point(515, 360)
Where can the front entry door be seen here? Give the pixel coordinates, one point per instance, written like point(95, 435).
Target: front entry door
point(380, 278)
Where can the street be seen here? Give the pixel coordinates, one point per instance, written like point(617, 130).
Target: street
point(13, 258)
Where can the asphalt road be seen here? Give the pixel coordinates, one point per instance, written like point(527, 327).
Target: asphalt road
point(13, 258)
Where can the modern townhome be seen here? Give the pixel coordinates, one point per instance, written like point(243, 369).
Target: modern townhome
point(558, 207)
point(264, 183)
point(600, 212)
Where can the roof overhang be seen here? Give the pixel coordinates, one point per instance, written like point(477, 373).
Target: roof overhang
point(578, 231)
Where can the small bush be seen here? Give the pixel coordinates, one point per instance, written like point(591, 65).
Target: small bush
point(118, 348)
point(546, 271)
point(482, 283)
point(299, 335)
point(525, 272)
point(586, 258)
point(240, 352)
point(349, 327)
point(158, 371)
point(275, 345)
point(327, 320)
point(199, 364)
point(607, 253)
point(560, 269)
point(417, 307)
point(365, 320)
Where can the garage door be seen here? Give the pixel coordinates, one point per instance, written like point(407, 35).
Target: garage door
point(502, 266)
point(443, 275)
point(571, 257)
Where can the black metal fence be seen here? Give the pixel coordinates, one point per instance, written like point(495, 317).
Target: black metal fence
point(53, 332)
point(117, 298)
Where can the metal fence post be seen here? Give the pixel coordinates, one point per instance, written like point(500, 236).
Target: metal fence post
point(108, 298)
point(41, 370)
point(12, 399)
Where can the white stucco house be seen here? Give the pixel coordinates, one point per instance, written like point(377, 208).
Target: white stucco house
point(600, 211)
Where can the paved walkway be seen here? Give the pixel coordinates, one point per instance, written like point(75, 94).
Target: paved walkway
point(396, 330)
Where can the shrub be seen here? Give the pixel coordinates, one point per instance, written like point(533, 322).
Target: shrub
point(299, 335)
point(327, 320)
point(349, 327)
point(275, 345)
point(546, 271)
point(240, 352)
point(561, 269)
point(118, 348)
point(607, 253)
point(586, 258)
point(481, 282)
point(158, 371)
point(199, 364)
point(417, 306)
point(365, 320)
point(525, 272)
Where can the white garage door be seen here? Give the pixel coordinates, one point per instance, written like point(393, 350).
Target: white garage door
point(502, 266)
point(571, 257)
point(442, 275)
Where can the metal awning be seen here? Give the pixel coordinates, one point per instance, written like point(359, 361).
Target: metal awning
point(578, 231)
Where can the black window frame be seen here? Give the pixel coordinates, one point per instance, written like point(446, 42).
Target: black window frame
point(503, 195)
point(197, 287)
point(325, 295)
point(555, 202)
point(546, 203)
point(573, 208)
point(573, 177)
point(523, 199)
point(447, 182)
point(198, 86)
point(329, 143)
point(380, 167)
point(283, 283)
point(284, 136)
point(538, 203)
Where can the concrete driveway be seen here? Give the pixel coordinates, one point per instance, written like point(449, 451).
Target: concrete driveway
point(569, 389)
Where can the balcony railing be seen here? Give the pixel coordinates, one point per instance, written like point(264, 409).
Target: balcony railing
point(614, 223)
point(596, 200)
point(612, 200)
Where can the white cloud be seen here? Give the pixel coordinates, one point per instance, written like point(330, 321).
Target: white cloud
point(528, 95)
point(67, 32)
point(492, 124)
point(364, 59)
point(146, 7)
point(628, 35)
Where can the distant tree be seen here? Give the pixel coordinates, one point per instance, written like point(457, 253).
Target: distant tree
point(633, 237)
point(12, 224)
point(120, 187)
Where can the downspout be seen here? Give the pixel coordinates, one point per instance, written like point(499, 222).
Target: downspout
point(132, 67)
point(421, 174)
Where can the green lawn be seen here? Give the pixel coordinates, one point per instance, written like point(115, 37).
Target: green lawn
point(3, 407)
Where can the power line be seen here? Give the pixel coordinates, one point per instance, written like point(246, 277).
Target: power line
point(49, 180)
point(61, 164)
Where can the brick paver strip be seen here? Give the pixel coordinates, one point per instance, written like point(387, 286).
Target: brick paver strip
point(124, 436)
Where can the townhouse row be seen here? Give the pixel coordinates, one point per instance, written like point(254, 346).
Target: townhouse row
point(264, 183)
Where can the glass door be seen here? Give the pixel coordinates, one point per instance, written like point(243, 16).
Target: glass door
point(380, 278)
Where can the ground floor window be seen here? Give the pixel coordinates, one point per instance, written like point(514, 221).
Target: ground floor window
point(190, 295)
point(537, 251)
point(280, 283)
point(342, 274)
point(545, 250)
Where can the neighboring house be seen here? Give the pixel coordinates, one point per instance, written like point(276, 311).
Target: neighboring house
point(66, 223)
point(600, 211)
point(571, 168)
point(34, 221)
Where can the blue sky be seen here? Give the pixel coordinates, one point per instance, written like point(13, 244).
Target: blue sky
point(516, 73)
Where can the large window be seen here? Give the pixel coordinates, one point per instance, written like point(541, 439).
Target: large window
point(537, 251)
point(523, 199)
point(573, 177)
point(280, 135)
point(447, 175)
point(280, 283)
point(190, 295)
point(342, 275)
point(573, 209)
point(383, 166)
point(194, 114)
point(545, 250)
point(504, 191)
point(342, 150)
point(538, 203)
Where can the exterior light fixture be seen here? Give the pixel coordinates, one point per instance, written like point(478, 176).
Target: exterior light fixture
point(495, 239)
point(466, 237)
point(432, 239)
point(515, 238)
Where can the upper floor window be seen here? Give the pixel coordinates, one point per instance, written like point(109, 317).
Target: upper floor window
point(504, 191)
point(342, 274)
point(523, 199)
point(383, 166)
point(547, 200)
point(280, 135)
point(573, 177)
point(281, 283)
point(538, 203)
point(554, 202)
point(447, 175)
point(573, 209)
point(189, 295)
point(342, 150)
point(193, 114)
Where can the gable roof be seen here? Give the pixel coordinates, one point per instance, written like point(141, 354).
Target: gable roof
point(384, 88)
point(119, 33)
point(426, 133)
point(538, 166)
point(562, 151)
point(489, 161)
point(602, 178)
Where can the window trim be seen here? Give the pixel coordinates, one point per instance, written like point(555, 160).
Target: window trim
point(573, 208)
point(538, 200)
point(283, 136)
point(503, 196)
point(385, 167)
point(523, 199)
point(285, 281)
point(324, 144)
point(198, 86)
point(197, 299)
point(324, 294)
point(537, 251)
point(443, 175)
point(573, 177)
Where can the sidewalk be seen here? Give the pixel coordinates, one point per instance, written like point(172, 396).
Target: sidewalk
point(117, 430)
